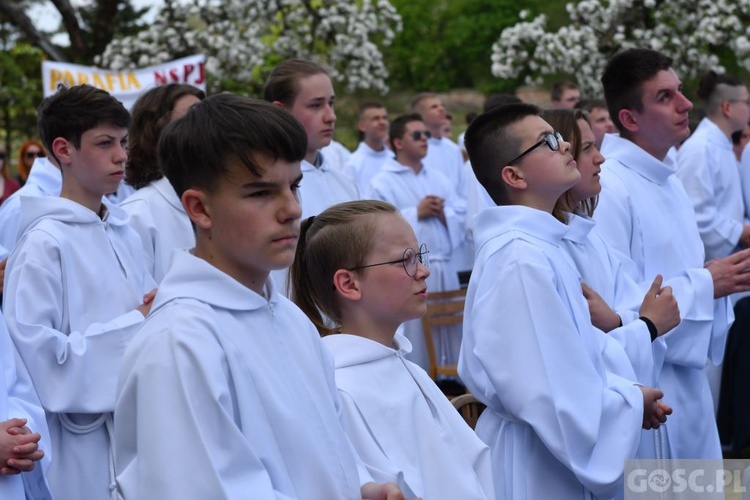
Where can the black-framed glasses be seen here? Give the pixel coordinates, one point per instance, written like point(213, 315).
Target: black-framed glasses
point(552, 140)
point(746, 101)
point(410, 261)
point(34, 154)
point(417, 134)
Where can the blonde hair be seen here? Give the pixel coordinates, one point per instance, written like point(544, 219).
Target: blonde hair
point(339, 238)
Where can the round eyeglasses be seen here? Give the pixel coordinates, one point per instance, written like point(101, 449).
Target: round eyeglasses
point(552, 139)
point(410, 261)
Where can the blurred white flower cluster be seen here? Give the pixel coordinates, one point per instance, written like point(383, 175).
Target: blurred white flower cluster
point(243, 39)
point(692, 32)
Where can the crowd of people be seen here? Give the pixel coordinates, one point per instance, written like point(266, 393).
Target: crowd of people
point(208, 297)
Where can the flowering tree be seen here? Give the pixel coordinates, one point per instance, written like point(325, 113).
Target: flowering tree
point(692, 32)
point(244, 39)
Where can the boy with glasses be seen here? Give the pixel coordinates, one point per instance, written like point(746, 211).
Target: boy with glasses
point(427, 199)
point(560, 394)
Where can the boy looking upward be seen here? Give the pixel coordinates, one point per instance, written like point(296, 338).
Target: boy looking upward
point(560, 394)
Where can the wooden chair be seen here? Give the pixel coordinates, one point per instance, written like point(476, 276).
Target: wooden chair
point(443, 308)
point(469, 407)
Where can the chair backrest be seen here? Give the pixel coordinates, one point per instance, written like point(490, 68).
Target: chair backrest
point(443, 308)
point(469, 407)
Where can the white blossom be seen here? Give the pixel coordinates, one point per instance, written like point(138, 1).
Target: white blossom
point(692, 32)
point(244, 39)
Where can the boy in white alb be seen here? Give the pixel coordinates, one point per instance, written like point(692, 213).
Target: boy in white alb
point(529, 350)
point(226, 391)
point(305, 90)
point(444, 156)
point(372, 152)
point(645, 214)
point(75, 286)
point(155, 210)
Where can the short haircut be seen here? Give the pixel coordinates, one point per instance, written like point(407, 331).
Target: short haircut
point(624, 77)
point(496, 100)
point(341, 237)
point(558, 88)
point(151, 113)
point(492, 143)
point(397, 128)
point(196, 151)
point(714, 89)
point(367, 106)
point(282, 84)
point(71, 111)
point(419, 98)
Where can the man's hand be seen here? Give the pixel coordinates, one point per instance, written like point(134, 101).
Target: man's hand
point(730, 274)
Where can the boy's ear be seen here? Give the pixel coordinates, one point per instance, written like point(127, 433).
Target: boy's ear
point(197, 208)
point(397, 143)
point(513, 177)
point(61, 148)
point(279, 104)
point(629, 120)
point(347, 285)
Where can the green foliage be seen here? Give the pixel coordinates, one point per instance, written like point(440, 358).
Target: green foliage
point(447, 44)
point(20, 92)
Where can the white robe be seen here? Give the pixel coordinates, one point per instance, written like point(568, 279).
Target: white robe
point(707, 167)
point(401, 186)
point(404, 429)
point(44, 180)
point(444, 156)
point(602, 269)
point(18, 399)
point(559, 424)
point(72, 287)
point(322, 187)
point(364, 164)
point(226, 395)
point(336, 155)
point(645, 214)
point(157, 215)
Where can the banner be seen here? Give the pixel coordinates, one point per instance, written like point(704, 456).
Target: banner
point(125, 85)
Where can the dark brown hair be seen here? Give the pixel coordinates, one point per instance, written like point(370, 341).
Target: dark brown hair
point(151, 113)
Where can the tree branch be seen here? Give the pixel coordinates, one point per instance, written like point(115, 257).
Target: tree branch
point(72, 26)
point(19, 19)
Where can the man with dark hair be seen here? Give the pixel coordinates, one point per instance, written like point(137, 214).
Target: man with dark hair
point(645, 214)
point(372, 152)
point(227, 391)
point(565, 95)
point(427, 199)
point(77, 287)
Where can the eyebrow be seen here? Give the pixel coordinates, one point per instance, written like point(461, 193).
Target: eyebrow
point(268, 184)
